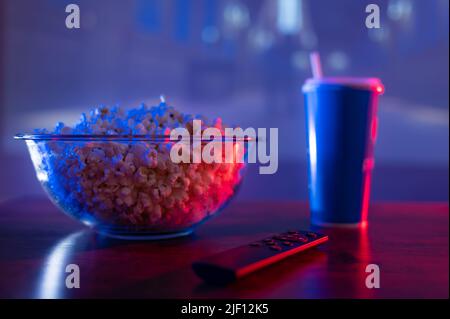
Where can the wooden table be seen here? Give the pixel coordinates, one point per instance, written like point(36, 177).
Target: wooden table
point(408, 241)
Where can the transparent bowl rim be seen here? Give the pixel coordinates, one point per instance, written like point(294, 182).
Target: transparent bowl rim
point(123, 138)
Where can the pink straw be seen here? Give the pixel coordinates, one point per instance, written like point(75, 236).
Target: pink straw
point(316, 66)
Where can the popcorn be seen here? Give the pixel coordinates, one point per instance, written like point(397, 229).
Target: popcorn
point(134, 184)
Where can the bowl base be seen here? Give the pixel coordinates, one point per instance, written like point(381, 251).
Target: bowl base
point(144, 236)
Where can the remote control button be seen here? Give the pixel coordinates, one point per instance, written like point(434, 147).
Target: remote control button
point(299, 240)
point(287, 243)
point(312, 235)
point(271, 242)
point(277, 248)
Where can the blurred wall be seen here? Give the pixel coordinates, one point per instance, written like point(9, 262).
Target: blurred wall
point(242, 60)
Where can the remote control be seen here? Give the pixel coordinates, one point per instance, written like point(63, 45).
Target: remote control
point(233, 264)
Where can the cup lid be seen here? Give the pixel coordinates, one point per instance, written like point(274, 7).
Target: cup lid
point(353, 82)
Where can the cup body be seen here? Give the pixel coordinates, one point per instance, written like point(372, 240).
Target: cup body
point(341, 126)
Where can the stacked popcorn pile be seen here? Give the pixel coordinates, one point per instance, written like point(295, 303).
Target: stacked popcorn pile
point(134, 184)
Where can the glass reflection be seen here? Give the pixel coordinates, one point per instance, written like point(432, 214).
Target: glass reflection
point(52, 281)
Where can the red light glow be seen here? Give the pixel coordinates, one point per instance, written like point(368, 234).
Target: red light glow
point(374, 128)
point(366, 198)
point(380, 89)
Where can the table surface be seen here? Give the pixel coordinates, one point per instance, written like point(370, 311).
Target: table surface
point(408, 241)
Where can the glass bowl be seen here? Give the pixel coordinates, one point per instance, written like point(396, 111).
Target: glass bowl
point(128, 186)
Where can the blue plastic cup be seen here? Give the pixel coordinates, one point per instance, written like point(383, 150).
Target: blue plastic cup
point(341, 126)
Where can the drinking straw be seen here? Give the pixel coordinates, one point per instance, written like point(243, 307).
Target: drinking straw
point(316, 66)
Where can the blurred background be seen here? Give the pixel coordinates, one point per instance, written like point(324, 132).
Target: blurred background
point(243, 60)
